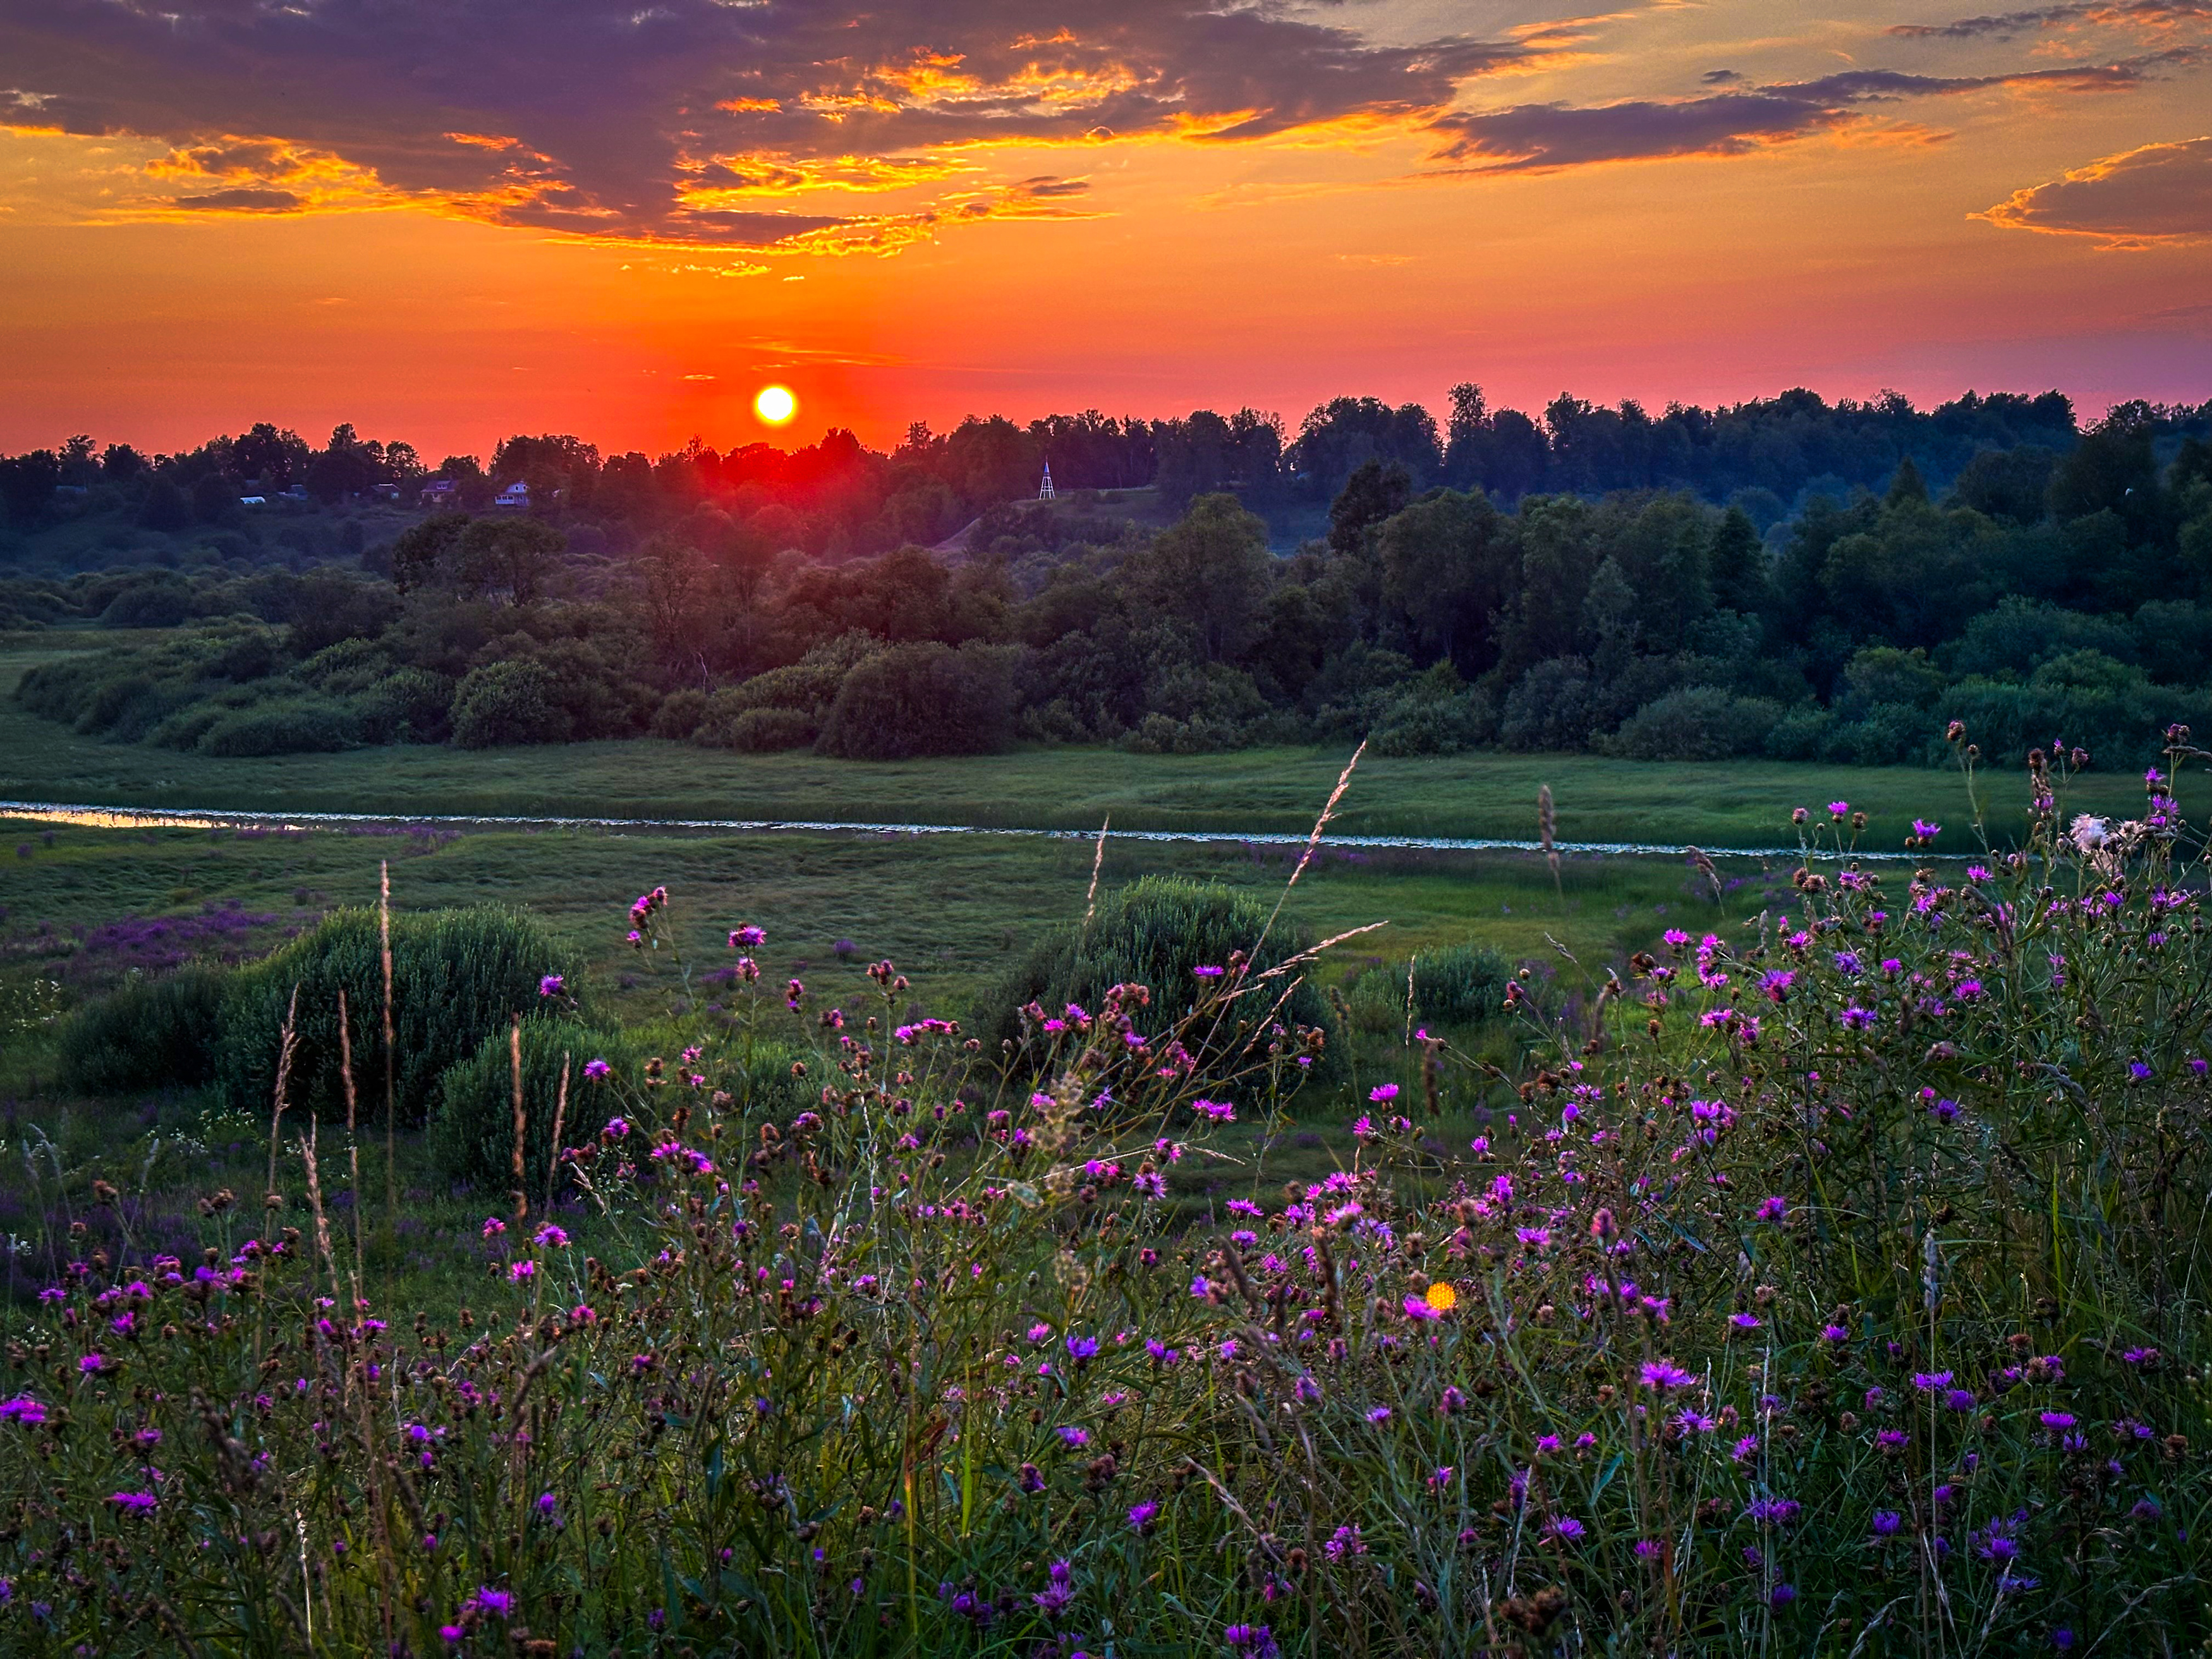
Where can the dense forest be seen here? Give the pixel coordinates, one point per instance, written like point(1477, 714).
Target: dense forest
point(1788, 578)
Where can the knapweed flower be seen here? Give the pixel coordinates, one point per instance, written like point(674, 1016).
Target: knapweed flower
point(1220, 1111)
point(1379, 1414)
point(1142, 1515)
point(747, 938)
point(1886, 1523)
point(1257, 1640)
point(1661, 1374)
point(1837, 809)
point(1744, 1322)
point(1073, 1437)
point(1567, 1529)
point(1927, 1382)
point(596, 1070)
point(24, 1410)
point(616, 1128)
point(498, 1602)
point(1082, 1348)
point(1208, 971)
point(518, 1271)
point(1383, 1094)
point(550, 985)
point(1773, 1209)
point(2056, 1419)
point(552, 1236)
point(492, 1226)
point(1418, 1309)
point(131, 1503)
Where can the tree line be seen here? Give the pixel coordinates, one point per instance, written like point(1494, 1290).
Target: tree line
point(837, 498)
point(2043, 593)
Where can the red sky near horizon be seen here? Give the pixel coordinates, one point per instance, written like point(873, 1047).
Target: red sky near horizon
point(448, 220)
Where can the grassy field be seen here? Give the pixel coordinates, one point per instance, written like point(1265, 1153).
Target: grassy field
point(951, 911)
point(1743, 804)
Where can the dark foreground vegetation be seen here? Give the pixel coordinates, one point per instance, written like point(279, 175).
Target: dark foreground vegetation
point(1784, 579)
point(1832, 1285)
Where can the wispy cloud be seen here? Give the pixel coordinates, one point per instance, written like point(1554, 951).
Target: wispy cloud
point(1548, 138)
point(2156, 15)
point(2151, 195)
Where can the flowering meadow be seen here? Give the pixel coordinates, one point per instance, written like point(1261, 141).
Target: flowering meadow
point(1833, 1285)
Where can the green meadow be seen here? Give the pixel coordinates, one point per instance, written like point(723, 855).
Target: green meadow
point(1734, 804)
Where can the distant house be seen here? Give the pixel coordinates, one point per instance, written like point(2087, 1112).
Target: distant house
point(254, 501)
point(297, 493)
point(384, 492)
point(439, 492)
point(516, 498)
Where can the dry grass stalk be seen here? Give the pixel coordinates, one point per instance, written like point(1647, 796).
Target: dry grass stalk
point(287, 1047)
point(353, 1143)
point(1313, 841)
point(1704, 867)
point(1098, 863)
point(1546, 828)
point(560, 1123)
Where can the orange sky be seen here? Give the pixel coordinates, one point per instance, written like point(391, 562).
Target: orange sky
point(958, 210)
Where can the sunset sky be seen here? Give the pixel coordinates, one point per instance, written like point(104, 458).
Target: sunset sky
point(448, 220)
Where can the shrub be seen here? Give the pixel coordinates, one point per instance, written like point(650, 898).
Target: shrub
point(458, 976)
point(1552, 708)
point(147, 1033)
point(1460, 984)
point(679, 715)
point(514, 701)
point(757, 731)
point(469, 1135)
point(925, 699)
point(1697, 723)
point(297, 726)
point(1156, 932)
point(411, 706)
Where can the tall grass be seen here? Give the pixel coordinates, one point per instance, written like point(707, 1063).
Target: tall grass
point(1832, 1287)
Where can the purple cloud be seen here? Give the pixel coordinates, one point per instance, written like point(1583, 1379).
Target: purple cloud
point(689, 120)
point(2157, 194)
point(2126, 14)
point(1547, 137)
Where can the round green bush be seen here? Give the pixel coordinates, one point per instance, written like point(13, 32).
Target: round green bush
point(457, 977)
point(470, 1133)
point(766, 730)
point(303, 725)
point(923, 699)
point(514, 701)
point(1460, 984)
point(147, 1033)
point(1155, 932)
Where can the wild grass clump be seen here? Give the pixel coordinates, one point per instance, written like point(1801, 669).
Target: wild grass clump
point(147, 1032)
point(461, 976)
point(1176, 937)
point(1833, 1286)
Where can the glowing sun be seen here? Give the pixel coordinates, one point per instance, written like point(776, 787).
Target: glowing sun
point(775, 404)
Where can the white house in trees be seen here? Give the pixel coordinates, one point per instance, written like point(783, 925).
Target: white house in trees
point(516, 498)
